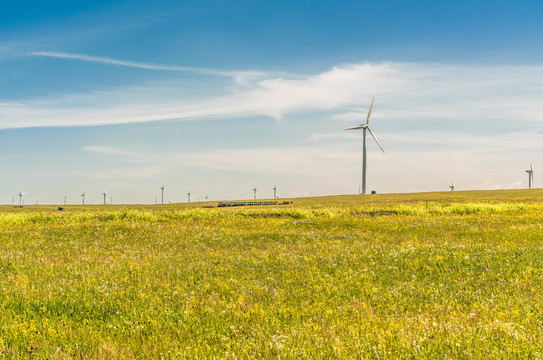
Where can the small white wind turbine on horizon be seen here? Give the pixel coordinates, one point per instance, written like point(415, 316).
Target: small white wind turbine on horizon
point(530, 176)
point(452, 186)
point(188, 195)
point(83, 196)
point(275, 191)
point(105, 197)
point(21, 198)
point(254, 191)
point(365, 127)
point(162, 188)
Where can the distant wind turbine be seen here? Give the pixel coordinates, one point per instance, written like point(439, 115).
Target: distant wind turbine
point(451, 187)
point(275, 191)
point(105, 194)
point(188, 194)
point(254, 191)
point(21, 198)
point(365, 127)
point(83, 196)
point(162, 188)
point(530, 176)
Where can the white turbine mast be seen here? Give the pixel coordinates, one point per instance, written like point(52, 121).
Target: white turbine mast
point(365, 127)
point(188, 195)
point(254, 191)
point(275, 191)
point(105, 197)
point(452, 186)
point(162, 188)
point(21, 198)
point(530, 176)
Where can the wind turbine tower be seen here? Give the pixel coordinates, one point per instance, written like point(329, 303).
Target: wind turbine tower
point(275, 191)
point(451, 187)
point(105, 194)
point(83, 195)
point(530, 176)
point(162, 188)
point(188, 195)
point(254, 191)
point(21, 198)
point(365, 127)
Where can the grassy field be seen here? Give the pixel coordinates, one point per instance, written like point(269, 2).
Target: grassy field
point(431, 275)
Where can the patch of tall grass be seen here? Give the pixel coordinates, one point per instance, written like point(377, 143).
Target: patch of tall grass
point(463, 208)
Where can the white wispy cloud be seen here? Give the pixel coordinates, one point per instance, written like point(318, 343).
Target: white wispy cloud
point(134, 64)
point(240, 77)
point(404, 93)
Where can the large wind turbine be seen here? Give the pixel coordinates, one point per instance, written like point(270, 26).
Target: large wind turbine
point(254, 191)
point(105, 194)
point(21, 198)
point(162, 188)
point(365, 127)
point(451, 187)
point(83, 195)
point(530, 176)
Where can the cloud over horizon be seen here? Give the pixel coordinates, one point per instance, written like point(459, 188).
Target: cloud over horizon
point(404, 91)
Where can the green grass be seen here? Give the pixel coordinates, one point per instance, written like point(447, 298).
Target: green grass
point(455, 274)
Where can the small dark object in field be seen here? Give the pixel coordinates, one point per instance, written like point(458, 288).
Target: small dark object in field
point(251, 203)
point(60, 208)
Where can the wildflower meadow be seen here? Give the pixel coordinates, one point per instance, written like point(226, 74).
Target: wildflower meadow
point(434, 275)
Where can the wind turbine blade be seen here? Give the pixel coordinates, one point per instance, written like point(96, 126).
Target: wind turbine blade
point(377, 141)
point(355, 127)
point(369, 112)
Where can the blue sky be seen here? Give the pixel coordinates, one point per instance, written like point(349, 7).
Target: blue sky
point(217, 97)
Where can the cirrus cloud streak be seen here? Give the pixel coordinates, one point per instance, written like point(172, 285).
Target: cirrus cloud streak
point(404, 91)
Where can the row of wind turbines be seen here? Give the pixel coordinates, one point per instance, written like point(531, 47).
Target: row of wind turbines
point(163, 187)
point(366, 127)
point(83, 197)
